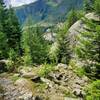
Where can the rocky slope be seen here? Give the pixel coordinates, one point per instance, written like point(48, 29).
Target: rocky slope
point(62, 83)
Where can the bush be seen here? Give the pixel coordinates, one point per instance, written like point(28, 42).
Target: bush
point(45, 70)
point(97, 6)
point(93, 91)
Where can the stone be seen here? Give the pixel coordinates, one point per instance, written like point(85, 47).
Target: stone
point(60, 65)
point(48, 82)
point(23, 84)
point(69, 98)
point(79, 92)
point(26, 73)
point(92, 16)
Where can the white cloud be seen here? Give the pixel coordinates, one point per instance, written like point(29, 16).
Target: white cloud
point(16, 3)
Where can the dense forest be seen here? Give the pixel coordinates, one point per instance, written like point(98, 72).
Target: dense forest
point(59, 61)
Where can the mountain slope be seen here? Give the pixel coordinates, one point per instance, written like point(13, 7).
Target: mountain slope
point(47, 10)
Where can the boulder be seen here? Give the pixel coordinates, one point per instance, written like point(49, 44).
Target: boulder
point(79, 92)
point(26, 73)
point(92, 16)
point(27, 96)
point(60, 65)
point(24, 84)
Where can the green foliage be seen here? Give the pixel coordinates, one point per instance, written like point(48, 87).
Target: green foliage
point(13, 31)
point(9, 31)
point(72, 17)
point(34, 46)
point(77, 67)
point(3, 45)
point(45, 70)
point(80, 71)
point(97, 6)
point(54, 52)
point(88, 48)
point(14, 77)
point(14, 61)
point(64, 53)
point(93, 91)
point(88, 5)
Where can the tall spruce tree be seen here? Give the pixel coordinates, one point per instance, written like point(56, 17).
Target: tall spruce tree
point(88, 48)
point(13, 31)
point(3, 38)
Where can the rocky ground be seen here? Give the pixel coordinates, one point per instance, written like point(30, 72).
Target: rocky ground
point(60, 84)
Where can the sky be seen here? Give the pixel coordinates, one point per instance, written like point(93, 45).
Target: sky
point(16, 3)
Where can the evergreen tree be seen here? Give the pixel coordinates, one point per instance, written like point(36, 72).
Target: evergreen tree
point(3, 38)
point(33, 44)
point(3, 15)
point(88, 48)
point(13, 31)
point(72, 17)
point(97, 6)
point(64, 52)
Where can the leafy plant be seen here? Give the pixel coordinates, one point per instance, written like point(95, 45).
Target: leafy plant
point(45, 70)
point(93, 91)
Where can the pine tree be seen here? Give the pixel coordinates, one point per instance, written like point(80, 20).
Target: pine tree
point(88, 48)
point(72, 17)
point(34, 46)
point(97, 6)
point(3, 15)
point(3, 38)
point(13, 31)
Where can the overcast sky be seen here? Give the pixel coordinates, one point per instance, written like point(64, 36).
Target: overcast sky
point(16, 3)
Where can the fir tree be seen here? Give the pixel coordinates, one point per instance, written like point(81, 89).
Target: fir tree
point(13, 31)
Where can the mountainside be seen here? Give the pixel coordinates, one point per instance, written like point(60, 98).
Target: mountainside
point(47, 10)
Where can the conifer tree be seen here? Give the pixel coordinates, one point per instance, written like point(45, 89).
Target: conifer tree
point(88, 48)
point(3, 38)
point(13, 31)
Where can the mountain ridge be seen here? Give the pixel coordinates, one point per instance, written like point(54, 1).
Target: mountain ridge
point(46, 10)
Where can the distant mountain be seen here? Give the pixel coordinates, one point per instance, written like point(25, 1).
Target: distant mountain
point(48, 11)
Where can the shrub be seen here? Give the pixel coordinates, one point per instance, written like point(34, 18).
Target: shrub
point(93, 91)
point(97, 6)
point(45, 70)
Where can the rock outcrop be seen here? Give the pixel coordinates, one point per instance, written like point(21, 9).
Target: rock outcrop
point(79, 27)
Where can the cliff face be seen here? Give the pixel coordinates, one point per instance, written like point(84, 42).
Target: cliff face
point(47, 10)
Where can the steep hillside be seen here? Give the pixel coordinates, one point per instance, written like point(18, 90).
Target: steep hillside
point(47, 10)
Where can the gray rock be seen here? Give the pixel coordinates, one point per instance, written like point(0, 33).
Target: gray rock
point(93, 16)
point(26, 73)
point(79, 92)
point(60, 65)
